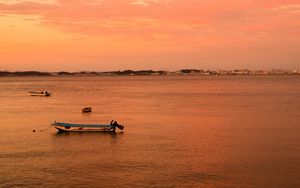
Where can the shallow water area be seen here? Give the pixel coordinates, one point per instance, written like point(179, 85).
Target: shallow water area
point(180, 131)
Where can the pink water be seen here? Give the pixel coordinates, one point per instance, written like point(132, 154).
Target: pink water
point(180, 131)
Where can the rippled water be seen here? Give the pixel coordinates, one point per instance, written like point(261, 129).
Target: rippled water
point(180, 131)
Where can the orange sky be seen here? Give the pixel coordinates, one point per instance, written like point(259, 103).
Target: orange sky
point(75, 35)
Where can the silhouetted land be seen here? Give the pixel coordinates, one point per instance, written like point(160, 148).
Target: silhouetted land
point(24, 73)
point(152, 72)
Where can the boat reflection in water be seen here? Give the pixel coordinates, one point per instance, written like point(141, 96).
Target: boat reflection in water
point(70, 127)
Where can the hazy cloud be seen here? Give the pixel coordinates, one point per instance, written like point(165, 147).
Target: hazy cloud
point(149, 2)
point(13, 2)
point(143, 18)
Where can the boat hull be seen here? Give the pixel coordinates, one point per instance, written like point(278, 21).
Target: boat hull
point(87, 110)
point(68, 127)
point(78, 129)
point(40, 94)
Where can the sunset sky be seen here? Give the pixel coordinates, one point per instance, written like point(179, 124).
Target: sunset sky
point(100, 35)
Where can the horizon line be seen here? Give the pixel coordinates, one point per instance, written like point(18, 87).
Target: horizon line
point(135, 70)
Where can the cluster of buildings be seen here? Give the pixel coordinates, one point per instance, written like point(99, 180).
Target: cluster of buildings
point(247, 72)
point(238, 72)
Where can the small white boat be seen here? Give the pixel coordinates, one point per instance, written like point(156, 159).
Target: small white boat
point(71, 127)
point(46, 94)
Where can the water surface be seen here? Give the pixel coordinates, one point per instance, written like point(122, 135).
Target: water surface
point(180, 131)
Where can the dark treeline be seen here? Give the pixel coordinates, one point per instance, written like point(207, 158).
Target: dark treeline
point(139, 72)
point(152, 72)
point(24, 73)
point(64, 73)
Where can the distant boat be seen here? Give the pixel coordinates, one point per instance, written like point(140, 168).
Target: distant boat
point(71, 127)
point(87, 110)
point(46, 94)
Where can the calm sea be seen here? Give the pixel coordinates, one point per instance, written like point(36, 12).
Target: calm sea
point(180, 131)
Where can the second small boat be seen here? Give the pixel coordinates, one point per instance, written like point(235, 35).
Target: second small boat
point(46, 94)
point(86, 110)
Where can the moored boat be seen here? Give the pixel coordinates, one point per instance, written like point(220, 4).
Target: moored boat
point(86, 110)
point(46, 94)
point(71, 127)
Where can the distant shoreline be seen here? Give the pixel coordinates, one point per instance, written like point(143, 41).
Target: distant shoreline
point(151, 73)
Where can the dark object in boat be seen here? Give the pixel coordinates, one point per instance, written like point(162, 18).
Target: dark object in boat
point(87, 110)
point(115, 124)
